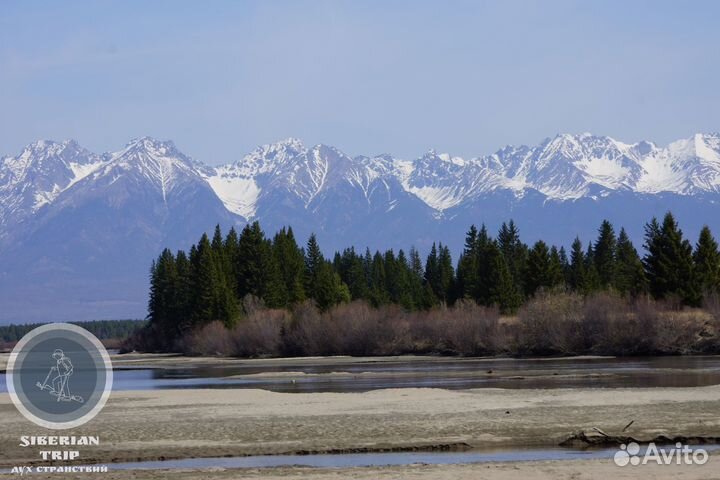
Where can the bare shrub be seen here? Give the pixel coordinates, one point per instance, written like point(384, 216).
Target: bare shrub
point(638, 335)
point(711, 304)
point(709, 333)
point(357, 327)
point(470, 329)
point(676, 332)
point(363, 330)
point(425, 333)
point(604, 314)
point(308, 333)
point(260, 333)
point(551, 324)
point(211, 339)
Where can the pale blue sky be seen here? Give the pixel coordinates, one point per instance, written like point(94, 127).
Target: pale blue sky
point(368, 77)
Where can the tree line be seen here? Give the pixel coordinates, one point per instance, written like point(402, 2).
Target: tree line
point(209, 282)
point(102, 329)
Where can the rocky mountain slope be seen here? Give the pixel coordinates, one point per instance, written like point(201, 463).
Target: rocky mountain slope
point(78, 229)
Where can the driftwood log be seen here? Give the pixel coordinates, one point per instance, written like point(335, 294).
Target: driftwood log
point(598, 438)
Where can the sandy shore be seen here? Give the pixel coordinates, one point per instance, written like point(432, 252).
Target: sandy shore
point(203, 423)
point(555, 470)
point(166, 424)
point(169, 360)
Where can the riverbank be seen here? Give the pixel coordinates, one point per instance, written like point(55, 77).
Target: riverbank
point(548, 470)
point(202, 423)
point(163, 424)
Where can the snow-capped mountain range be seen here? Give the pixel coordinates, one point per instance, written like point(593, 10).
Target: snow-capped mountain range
point(71, 217)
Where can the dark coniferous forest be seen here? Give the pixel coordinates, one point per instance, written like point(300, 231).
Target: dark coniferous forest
point(224, 278)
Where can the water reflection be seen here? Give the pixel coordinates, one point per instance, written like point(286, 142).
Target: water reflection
point(304, 376)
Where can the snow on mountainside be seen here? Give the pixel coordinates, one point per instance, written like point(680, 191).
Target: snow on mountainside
point(443, 182)
point(566, 167)
point(236, 184)
point(686, 166)
point(36, 177)
point(78, 229)
point(145, 159)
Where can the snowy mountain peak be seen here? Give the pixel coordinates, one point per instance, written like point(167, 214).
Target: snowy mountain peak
point(152, 147)
point(36, 176)
point(61, 206)
point(292, 143)
point(266, 157)
point(563, 167)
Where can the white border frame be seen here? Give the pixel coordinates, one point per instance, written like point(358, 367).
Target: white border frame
point(31, 416)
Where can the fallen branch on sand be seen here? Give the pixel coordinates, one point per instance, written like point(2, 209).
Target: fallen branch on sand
point(598, 438)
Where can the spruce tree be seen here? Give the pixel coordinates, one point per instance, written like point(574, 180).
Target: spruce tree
point(556, 273)
point(592, 278)
point(322, 283)
point(404, 280)
point(484, 249)
point(630, 274)
point(432, 273)
point(605, 250)
point(250, 262)
point(225, 305)
point(447, 273)
point(577, 272)
point(204, 283)
point(352, 272)
point(564, 264)
point(416, 280)
point(328, 290)
point(515, 253)
point(502, 290)
point(707, 262)
point(230, 247)
point(162, 307)
point(669, 262)
point(183, 294)
point(394, 281)
point(467, 269)
point(538, 268)
point(217, 243)
point(274, 290)
point(314, 260)
point(378, 282)
point(290, 262)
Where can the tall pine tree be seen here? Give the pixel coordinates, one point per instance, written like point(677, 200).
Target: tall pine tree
point(669, 262)
point(707, 262)
point(605, 249)
point(577, 273)
point(541, 270)
point(630, 275)
point(515, 253)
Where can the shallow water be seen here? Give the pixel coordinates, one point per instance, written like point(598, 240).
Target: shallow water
point(381, 459)
point(350, 460)
point(443, 372)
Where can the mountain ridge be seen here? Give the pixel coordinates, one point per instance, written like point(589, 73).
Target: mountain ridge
point(79, 229)
point(563, 167)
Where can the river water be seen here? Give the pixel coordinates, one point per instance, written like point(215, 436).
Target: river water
point(352, 375)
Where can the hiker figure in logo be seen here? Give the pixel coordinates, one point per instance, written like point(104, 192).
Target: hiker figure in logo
point(59, 385)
